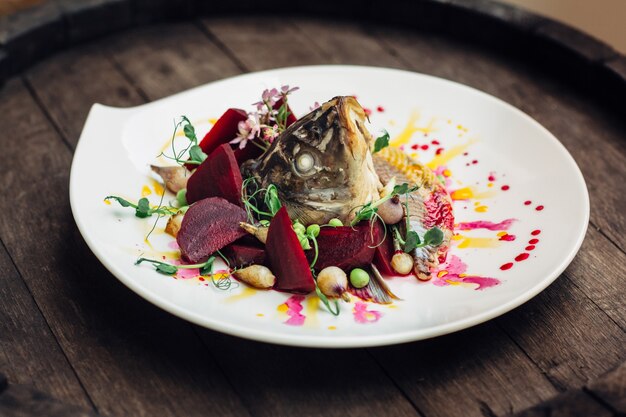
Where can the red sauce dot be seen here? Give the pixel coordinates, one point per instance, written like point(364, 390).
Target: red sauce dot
point(380, 109)
point(424, 147)
point(439, 151)
point(201, 279)
point(531, 247)
point(507, 238)
point(474, 162)
point(533, 241)
point(465, 153)
point(505, 187)
point(539, 208)
point(507, 266)
point(415, 147)
point(527, 202)
point(535, 232)
point(435, 142)
point(522, 257)
point(491, 178)
point(367, 111)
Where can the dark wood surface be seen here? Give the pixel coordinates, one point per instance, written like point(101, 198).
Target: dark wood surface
point(70, 329)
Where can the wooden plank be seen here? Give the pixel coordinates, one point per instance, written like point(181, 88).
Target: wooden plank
point(571, 404)
point(505, 394)
point(593, 137)
point(476, 372)
point(611, 389)
point(568, 336)
point(261, 378)
point(29, 353)
point(24, 401)
point(284, 381)
point(263, 43)
point(71, 82)
point(598, 270)
point(167, 59)
point(131, 357)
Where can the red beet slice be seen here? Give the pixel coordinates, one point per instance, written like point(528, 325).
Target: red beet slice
point(383, 254)
point(208, 226)
point(346, 247)
point(217, 176)
point(286, 257)
point(243, 255)
point(224, 130)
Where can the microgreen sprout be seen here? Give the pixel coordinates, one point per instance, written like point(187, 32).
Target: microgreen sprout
point(324, 299)
point(142, 208)
point(195, 153)
point(206, 268)
point(251, 193)
point(381, 142)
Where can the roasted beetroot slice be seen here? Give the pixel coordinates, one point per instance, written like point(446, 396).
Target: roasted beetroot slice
point(286, 257)
point(217, 176)
point(224, 130)
point(346, 247)
point(383, 254)
point(243, 255)
point(208, 226)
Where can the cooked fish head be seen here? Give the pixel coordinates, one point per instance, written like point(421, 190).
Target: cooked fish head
point(322, 165)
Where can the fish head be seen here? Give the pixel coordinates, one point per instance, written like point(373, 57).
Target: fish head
point(322, 164)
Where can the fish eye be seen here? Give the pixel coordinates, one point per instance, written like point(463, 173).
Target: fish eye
point(304, 162)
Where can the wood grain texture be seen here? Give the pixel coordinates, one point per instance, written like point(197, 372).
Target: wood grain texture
point(265, 42)
point(29, 353)
point(611, 389)
point(570, 404)
point(567, 335)
point(70, 83)
point(167, 59)
point(120, 346)
point(24, 401)
point(286, 381)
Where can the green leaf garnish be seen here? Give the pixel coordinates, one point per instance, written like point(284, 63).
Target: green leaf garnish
point(196, 154)
point(433, 237)
point(412, 241)
point(142, 208)
point(381, 142)
point(271, 199)
point(206, 268)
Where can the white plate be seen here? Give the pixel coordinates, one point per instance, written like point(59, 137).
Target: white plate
point(510, 149)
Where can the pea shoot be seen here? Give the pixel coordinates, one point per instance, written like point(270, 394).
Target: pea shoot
point(142, 208)
point(381, 142)
point(368, 211)
point(196, 155)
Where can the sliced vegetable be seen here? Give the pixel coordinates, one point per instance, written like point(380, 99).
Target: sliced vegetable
point(218, 176)
point(346, 247)
point(286, 256)
point(224, 130)
point(209, 225)
point(241, 255)
point(383, 255)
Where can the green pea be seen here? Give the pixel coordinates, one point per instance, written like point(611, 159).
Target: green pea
point(335, 223)
point(304, 242)
point(181, 197)
point(359, 278)
point(313, 230)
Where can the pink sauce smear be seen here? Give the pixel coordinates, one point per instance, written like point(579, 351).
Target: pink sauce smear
point(294, 307)
point(483, 224)
point(455, 268)
point(363, 315)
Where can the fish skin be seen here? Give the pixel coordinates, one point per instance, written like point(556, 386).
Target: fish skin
point(429, 206)
point(321, 165)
